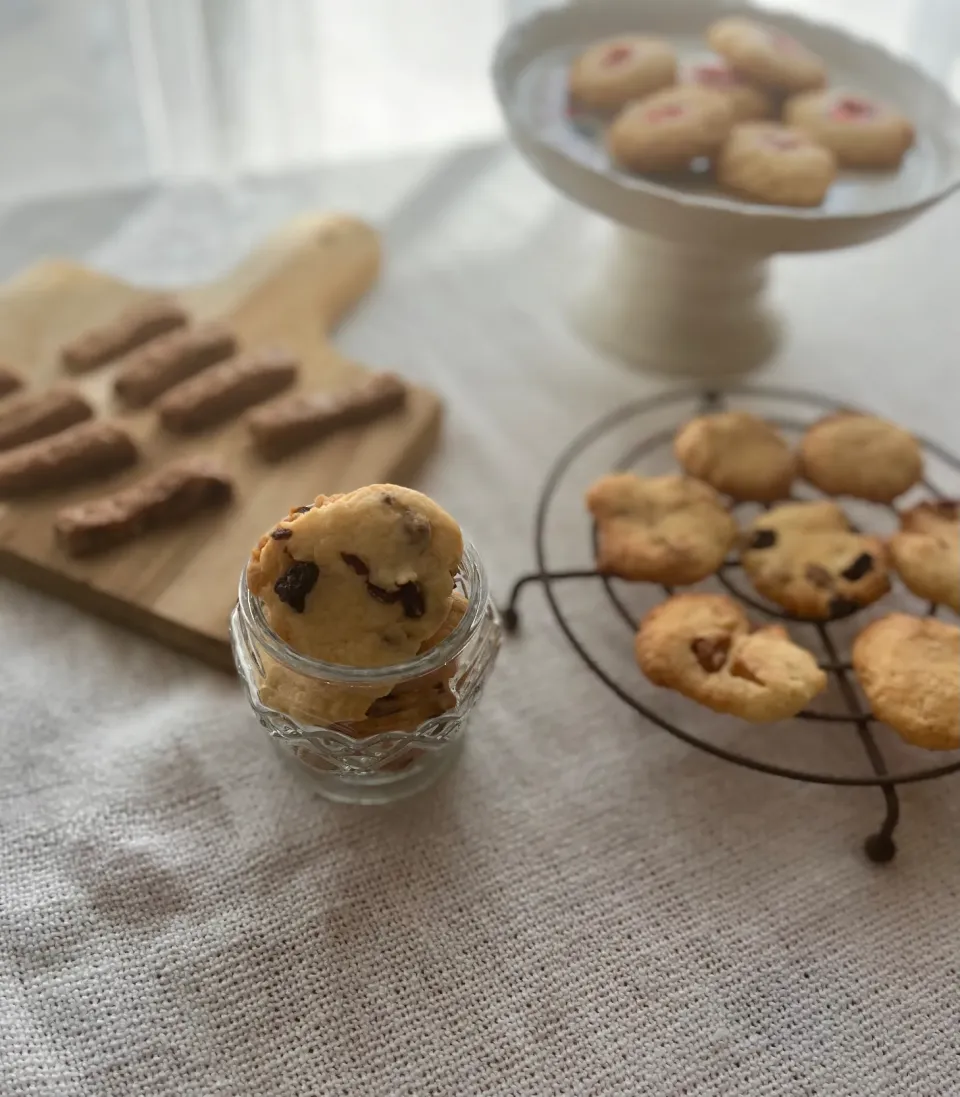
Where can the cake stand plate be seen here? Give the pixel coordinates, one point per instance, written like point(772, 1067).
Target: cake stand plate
point(680, 284)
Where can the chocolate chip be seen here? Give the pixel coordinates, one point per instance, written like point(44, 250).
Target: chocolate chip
point(303, 510)
point(296, 583)
point(411, 597)
point(842, 607)
point(859, 567)
point(947, 508)
point(355, 562)
point(763, 538)
point(387, 499)
point(711, 652)
point(819, 576)
point(388, 597)
point(281, 533)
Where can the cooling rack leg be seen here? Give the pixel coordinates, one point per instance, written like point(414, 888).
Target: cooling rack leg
point(880, 847)
point(509, 613)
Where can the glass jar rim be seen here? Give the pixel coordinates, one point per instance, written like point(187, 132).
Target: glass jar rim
point(252, 613)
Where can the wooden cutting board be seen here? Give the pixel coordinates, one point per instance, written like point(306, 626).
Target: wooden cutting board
point(179, 586)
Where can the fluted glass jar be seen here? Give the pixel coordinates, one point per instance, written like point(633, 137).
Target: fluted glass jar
point(378, 734)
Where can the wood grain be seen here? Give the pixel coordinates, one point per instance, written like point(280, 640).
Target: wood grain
point(179, 586)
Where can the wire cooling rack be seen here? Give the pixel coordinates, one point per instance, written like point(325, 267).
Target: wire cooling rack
point(879, 846)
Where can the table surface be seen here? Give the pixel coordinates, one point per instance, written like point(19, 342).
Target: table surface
point(586, 905)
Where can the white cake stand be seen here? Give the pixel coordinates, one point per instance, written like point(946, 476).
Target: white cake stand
point(680, 287)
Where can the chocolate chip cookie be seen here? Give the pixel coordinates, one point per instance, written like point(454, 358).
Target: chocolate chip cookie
point(909, 668)
point(849, 453)
point(806, 558)
point(361, 579)
point(666, 131)
point(664, 529)
point(738, 454)
point(862, 132)
point(926, 551)
point(703, 646)
point(617, 70)
point(766, 55)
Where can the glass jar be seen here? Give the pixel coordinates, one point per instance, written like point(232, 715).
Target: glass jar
point(370, 735)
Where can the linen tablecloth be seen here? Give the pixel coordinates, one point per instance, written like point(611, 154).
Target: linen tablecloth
point(586, 905)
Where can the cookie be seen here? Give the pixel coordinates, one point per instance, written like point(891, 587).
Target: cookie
point(860, 131)
point(750, 103)
point(171, 496)
point(171, 359)
point(926, 551)
point(666, 131)
point(135, 326)
point(361, 712)
point(10, 380)
point(662, 529)
point(223, 391)
point(703, 646)
point(34, 415)
point(779, 165)
point(284, 426)
point(360, 580)
point(909, 668)
point(738, 454)
point(860, 455)
point(618, 70)
point(806, 558)
point(767, 56)
point(88, 451)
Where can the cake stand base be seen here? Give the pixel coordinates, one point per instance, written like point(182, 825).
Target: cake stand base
point(679, 308)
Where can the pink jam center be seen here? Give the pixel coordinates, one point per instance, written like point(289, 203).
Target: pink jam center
point(783, 42)
point(715, 76)
point(783, 142)
point(668, 110)
point(616, 55)
point(852, 109)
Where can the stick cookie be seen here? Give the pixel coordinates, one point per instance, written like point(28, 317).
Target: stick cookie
point(33, 415)
point(223, 391)
point(10, 380)
point(172, 359)
point(132, 328)
point(170, 496)
point(284, 426)
point(88, 451)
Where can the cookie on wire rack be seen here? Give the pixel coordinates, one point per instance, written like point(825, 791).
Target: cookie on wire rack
point(806, 558)
point(909, 668)
point(663, 529)
point(926, 551)
point(738, 454)
point(703, 646)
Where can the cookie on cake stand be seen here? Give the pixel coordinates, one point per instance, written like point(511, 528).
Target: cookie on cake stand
point(681, 285)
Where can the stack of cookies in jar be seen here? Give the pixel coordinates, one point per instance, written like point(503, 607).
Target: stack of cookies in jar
point(759, 113)
point(804, 556)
